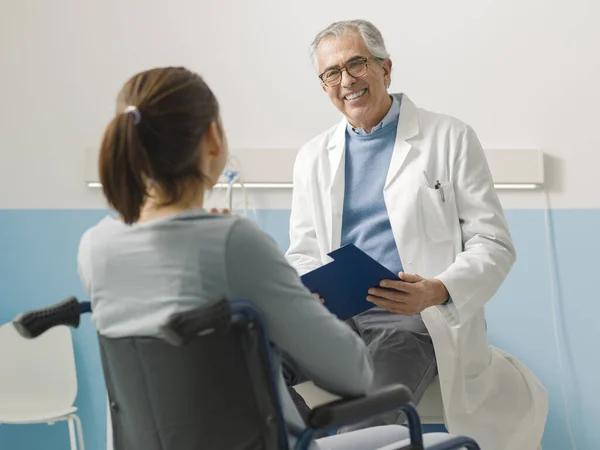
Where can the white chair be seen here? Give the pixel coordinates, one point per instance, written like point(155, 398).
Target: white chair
point(38, 381)
point(430, 408)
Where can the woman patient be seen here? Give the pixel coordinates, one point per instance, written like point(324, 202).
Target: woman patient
point(165, 254)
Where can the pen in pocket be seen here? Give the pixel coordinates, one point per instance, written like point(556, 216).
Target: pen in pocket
point(438, 186)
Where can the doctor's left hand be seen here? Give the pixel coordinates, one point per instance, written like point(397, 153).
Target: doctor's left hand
point(409, 296)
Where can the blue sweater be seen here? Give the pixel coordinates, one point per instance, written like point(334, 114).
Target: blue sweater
point(365, 221)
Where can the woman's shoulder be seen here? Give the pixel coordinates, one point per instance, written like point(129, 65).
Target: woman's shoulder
point(243, 228)
point(232, 229)
point(106, 222)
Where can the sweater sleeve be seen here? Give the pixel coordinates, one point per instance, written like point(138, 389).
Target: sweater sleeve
point(327, 350)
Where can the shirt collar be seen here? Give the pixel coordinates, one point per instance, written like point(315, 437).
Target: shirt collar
point(392, 115)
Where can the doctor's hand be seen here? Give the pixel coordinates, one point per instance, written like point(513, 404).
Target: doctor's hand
point(409, 296)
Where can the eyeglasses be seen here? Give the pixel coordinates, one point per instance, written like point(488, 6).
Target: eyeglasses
point(356, 68)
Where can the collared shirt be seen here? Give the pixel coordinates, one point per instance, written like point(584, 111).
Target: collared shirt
point(392, 115)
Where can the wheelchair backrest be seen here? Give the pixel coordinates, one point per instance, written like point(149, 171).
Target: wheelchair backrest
point(209, 384)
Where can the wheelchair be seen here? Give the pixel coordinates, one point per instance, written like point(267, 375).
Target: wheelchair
point(210, 383)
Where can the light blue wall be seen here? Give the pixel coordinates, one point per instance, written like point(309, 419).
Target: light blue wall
point(38, 266)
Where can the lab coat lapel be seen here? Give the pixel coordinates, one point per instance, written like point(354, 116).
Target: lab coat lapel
point(335, 153)
point(408, 127)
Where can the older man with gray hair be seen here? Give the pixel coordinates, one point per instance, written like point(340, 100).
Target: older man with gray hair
point(412, 189)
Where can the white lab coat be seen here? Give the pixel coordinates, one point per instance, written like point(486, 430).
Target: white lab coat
point(463, 241)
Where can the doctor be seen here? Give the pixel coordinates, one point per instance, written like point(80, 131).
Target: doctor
point(412, 188)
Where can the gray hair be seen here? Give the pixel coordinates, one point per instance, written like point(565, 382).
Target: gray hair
point(369, 32)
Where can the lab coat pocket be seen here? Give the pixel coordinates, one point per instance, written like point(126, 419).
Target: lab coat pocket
point(439, 212)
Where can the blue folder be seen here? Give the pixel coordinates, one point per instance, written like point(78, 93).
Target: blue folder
point(344, 282)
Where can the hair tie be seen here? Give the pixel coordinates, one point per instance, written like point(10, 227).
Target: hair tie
point(137, 115)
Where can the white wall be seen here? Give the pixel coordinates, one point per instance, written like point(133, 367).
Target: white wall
point(523, 73)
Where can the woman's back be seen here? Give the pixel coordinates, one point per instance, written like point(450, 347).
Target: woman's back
point(139, 275)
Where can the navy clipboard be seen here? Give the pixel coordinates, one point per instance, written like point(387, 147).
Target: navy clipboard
point(344, 282)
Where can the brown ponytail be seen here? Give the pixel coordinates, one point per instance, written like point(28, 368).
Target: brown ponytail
point(124, 167)
point(158, 142)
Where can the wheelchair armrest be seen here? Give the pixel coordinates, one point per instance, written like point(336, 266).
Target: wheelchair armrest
point(31, 324)
point(350, 410)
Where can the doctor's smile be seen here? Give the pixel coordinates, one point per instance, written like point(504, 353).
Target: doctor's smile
point(355, 95)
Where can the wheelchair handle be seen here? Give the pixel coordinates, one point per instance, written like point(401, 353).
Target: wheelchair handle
point(31, 324)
